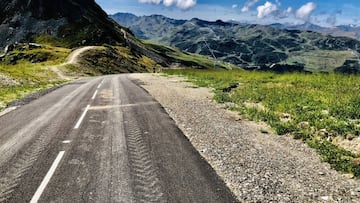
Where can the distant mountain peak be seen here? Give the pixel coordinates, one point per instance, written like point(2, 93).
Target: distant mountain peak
point(350, 30)
point(245, 45)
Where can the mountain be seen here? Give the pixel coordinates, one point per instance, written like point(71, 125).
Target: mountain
point(75, 22)
point(248, 46)
point(337, 31)
point(148, 27)
point(68, 23)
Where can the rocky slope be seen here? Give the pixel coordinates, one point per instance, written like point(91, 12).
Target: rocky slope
point(75, 22)
point(250, 46)
point(66, 23)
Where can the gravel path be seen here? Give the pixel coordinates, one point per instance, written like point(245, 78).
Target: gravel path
point(73, 58)
point(257, 167)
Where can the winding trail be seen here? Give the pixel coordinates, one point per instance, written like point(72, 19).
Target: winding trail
point(72, 59)
point(74, 56)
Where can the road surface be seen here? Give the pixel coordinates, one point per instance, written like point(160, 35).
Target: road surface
point(101, 139)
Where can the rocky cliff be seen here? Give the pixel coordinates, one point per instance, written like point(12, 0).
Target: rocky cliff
point(75, 22)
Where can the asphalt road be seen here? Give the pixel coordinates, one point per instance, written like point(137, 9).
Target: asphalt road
point(101, 139)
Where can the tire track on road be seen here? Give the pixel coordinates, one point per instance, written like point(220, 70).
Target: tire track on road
point(15, 165)
point(146, 182)
point(24, 162)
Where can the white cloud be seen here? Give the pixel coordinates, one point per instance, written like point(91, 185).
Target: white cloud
point(249, 4)
point(286, 13)
point(289, 10)
point(304, 12)
point(267, 9)
point(234, 6)
point(182, 4)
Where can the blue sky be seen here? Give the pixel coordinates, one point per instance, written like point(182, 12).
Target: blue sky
point(322, 12)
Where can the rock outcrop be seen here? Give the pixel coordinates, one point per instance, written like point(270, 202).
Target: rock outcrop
point(75, 22)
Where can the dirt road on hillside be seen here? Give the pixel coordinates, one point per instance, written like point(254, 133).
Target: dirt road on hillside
point(72, 59)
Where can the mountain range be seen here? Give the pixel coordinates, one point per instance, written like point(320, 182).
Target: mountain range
point(337, 31)
point(246, 45)
point(76, 23)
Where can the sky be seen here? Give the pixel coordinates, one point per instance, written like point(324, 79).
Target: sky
point(321, 12)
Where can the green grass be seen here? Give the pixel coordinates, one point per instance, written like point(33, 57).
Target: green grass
point(315, 108)
point(189, 59)
point(320, 60)
point(29, 77)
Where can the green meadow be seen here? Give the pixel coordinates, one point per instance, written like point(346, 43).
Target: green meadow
point(316, 108)
point(25, 77)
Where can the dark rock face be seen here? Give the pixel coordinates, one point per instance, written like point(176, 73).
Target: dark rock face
point(349, 67)
point(76, 21)
point(44, 9)
point(57, 9)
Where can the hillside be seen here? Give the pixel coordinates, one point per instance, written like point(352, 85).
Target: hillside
point(247, 46)
point(337, 31)
point(37, 36)
point(74, 23)
point(65, 23)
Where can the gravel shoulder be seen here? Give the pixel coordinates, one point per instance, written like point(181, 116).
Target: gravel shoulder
point(257, 167)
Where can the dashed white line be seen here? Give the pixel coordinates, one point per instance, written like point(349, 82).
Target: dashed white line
point(93, 97)
point(55, 164)
point(100, 84)
point(47, 178)
point(82, 117)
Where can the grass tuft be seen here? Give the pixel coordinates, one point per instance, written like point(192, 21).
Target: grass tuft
point(314, 108)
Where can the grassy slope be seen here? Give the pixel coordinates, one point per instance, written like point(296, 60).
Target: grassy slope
point(29, 77)
point(320, 60)
point(116, 59)
point(188, 59)
point(25, 77)
point(315, 108)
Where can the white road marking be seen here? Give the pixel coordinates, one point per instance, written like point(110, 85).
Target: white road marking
point(8, 110)
point(66, 141)
point(47, 178)
point(82, 117)
point(100, 84)
point(93, 97)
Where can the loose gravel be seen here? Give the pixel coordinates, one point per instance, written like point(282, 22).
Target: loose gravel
point(256, 166)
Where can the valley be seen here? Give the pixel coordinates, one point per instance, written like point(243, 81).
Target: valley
point(245, 45)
